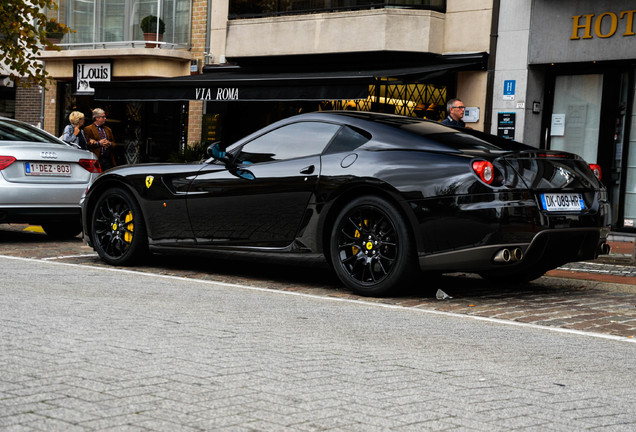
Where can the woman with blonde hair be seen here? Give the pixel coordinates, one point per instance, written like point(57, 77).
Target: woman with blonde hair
point(73, 132)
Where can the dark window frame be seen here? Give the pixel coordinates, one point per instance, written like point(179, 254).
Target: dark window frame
point(239, 9)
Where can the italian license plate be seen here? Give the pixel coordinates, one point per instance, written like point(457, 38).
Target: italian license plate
point(47, 169)
point(562, 201)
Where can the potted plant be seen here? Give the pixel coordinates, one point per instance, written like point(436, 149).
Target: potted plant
point(54, 32)
point(151, 31)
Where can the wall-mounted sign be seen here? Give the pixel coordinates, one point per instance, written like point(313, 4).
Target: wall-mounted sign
point(506, 125)
point(87, 72)
point(471, 115)
point(509, 90)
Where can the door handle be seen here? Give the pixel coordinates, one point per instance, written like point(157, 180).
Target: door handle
point(308, 170)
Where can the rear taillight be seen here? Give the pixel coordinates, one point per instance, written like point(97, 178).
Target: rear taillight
point(91, 165)
point(485, 170)
point(596, 169)
point(5, 161)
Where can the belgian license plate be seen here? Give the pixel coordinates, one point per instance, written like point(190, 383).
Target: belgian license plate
point(47, 169)
point(562, 201)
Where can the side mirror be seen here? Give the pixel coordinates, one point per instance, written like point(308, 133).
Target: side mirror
point(214, 151)
point(244, 174)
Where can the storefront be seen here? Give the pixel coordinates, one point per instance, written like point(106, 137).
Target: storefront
point(584, 52)
point(241, 99)
point(145, 131)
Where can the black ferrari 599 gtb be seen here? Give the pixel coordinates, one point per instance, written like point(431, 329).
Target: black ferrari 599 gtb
point(382, 197)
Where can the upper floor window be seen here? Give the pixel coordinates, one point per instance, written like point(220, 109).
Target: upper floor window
point(118, 22)
point(252, 9)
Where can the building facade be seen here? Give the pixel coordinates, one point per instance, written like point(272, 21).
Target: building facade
point(414, 55)
point(565, 79)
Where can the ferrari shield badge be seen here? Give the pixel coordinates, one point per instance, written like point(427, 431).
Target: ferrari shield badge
point(149, 180)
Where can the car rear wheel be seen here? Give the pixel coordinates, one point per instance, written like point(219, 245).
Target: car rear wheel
point(63, 230)
point(370, 247)
point(118, 231)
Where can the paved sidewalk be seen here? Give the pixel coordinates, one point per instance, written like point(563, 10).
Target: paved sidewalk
point(617, 267)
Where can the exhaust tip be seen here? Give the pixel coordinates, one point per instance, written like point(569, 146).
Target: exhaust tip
point(502, 256)
point(506, 256)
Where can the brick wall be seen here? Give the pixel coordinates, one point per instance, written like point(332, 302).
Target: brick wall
point(50, 109)
point(28, 104)
point(199, 23)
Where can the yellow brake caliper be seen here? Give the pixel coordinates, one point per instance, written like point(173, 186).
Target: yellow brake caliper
point(357, 234)
point(129, 228)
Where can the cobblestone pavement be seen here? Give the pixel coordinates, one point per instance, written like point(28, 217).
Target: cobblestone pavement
point(590, 296)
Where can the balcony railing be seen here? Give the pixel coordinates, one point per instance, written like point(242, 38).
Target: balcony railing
point(116, 23)
point(262, 8)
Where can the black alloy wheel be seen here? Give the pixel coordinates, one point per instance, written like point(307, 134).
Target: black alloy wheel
point(371, 249)
point(117, 228)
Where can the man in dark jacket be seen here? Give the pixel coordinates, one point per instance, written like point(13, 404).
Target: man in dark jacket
point(456, 110)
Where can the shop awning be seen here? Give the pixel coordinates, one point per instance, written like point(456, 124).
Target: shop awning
point(234, 83)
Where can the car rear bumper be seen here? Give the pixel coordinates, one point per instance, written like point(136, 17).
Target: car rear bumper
point(468, 238)
point(548, 249)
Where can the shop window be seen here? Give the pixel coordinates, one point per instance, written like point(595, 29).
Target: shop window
point(413, 100)
point(117, 23)
point(251, 9)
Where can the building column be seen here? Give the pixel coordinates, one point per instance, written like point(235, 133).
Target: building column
point(50, 108)
point(195, 114)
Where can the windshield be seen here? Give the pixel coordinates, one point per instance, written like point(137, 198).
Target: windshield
point(17, 131)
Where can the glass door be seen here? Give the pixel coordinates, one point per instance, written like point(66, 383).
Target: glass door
point(576, 115)
point(630, 183)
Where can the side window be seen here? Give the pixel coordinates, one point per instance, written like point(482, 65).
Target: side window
point(347, 140)
point(289, 142)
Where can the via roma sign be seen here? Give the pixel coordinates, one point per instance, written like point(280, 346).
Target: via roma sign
point(216, 94)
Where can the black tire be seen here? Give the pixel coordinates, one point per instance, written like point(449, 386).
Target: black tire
point(371, 248)
point(118, 231)
point(63, 230)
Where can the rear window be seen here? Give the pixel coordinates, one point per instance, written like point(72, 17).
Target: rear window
point(463, 139)
point(16, 131)
point(347, 140)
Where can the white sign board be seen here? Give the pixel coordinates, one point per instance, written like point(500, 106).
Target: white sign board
point(471, 115)
point(557, 127)
point(88, 73)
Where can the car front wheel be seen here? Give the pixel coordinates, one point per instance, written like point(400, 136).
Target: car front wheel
point(117, 228)
point(370, 247)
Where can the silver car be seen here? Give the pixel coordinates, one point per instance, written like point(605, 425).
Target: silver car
point(42, 179)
